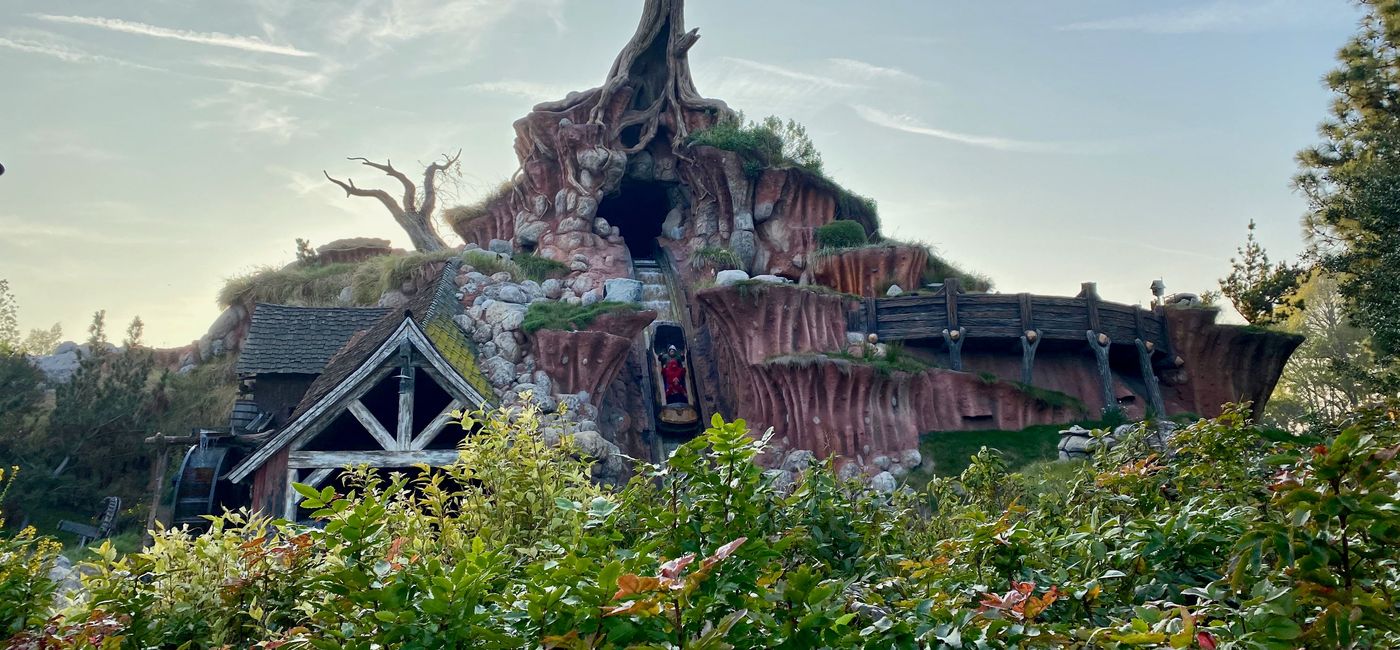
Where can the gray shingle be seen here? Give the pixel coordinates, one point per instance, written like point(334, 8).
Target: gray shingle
point(285, 339)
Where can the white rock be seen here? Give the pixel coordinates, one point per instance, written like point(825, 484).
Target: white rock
point(512, 293)
point(622, 290)
point(772, 279)
point(553, 288)
point(884, 483)
point(732, 276)
point(592, 296)
point(894, 290)
point(500, 246)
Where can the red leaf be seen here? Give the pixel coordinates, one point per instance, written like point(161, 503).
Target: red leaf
point(1205, 640)
point(673, 568)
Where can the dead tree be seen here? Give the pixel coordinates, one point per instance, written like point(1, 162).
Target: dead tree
point(414, 217)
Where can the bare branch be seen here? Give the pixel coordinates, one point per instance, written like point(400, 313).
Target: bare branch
point(351, 190)
point(430, 182)
point(410, 193)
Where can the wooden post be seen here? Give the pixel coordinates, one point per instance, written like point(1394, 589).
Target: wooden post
point(1030, 340)
point(954, 339)
point(1090, 292)
point(872, 316)
point(1100, 344)
point(404, 434)
point(154, 488)
point(950, 300)
point(1149, 379)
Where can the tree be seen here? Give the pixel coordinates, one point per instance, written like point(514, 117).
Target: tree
point(1333, 373)
point(41, 341)
point(9, 319)
point(413, 215)
point(1352, 178)
point(1261, 292)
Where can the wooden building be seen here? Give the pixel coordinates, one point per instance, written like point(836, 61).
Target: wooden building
point(384, 397)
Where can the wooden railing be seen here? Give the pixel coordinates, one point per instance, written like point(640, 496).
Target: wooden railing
point(955, 316)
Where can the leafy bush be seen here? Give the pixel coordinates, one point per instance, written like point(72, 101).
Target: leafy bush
point(841, 234)
point(1236, 542)
point(556, 315)
point(538, 268)
point(770, 143)
point(25, 560)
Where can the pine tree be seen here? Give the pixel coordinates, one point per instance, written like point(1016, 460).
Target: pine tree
point(1352, 179)
point(1263, 293)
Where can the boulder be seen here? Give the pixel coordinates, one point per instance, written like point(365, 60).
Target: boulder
point(622, 290)
point(884, 483)
point(729, 277)
point(500, 246)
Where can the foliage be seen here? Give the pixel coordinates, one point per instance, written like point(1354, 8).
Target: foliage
point(1333, 373)
point(893, 359)
point(460, 215)
point(770, 143)
point(294, 284)
point(39, 341)
point(89, 445)
point(1352, 179)
point(1233, 542)
point(25, 560)
point(716, 258)
point(557, 315)
point(1263, 294)
point(306, 254)
point(488, 263)
point(841, 234)
point(538, 268)
point(376, 275)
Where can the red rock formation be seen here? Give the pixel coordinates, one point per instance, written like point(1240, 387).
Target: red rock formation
point(589, 360)
point(864, 271)
point(1223, 363)
point(840, 408)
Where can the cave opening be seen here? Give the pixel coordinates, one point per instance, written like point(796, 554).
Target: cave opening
point(637, 209)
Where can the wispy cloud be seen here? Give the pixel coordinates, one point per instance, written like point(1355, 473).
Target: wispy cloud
point(1217, 16)
point(870, 71)
point(44, 44)
point(69, 144)
point(288, 78)
point(909, 124)
point(392, 21)
point(245, 113)
point(215, 39)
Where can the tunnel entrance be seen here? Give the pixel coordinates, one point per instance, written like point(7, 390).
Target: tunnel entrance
point(637, 209)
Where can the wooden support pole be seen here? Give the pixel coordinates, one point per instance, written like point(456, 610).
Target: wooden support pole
point(950, 300)
point(1149, 379)
point(955, 339)
point(404, 436)
point(1029, 342)
point(1100, 343)
point(1089, 291)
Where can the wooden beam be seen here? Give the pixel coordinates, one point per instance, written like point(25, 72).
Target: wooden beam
point(1027, 312)
point(950, 301)
point(372, 425)
point(316, 478)
point(1090, 292)
point(435, 427)
point(339, 459)
point(406, 375)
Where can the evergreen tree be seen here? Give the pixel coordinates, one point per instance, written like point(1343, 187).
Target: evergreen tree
point(1264, 294)
point(1352, 179)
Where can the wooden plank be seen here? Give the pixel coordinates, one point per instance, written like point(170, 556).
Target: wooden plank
point(316, 478)
point(435, 427)
point(339, 459)
point(372, 424)
point(404, 432)
point(1027, 312)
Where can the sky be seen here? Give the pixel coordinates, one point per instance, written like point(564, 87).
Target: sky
point(154, 149)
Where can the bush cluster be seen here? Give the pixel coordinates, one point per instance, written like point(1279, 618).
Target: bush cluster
point(557, 315)
point(841, 234)
point(1234, 542)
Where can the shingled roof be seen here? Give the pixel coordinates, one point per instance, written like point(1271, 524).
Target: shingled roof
point(286, 339)
point(430, 310)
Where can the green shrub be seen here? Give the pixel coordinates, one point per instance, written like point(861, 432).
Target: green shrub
point(1237, 542)
point(766, 144)
point(841, 234)
point(25, 559)
point(556, 315)
point(538, 268)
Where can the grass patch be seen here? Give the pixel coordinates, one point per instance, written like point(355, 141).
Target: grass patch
point(487, 263)
point(458, 215)
point(1051, 398)
point(895, 360)
point(751, 289)
point(379, 274)
point(949, 451)
point(310, 285)
point(538, 268)
point(715, 257)
point(551, 315)
point(841, 234)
